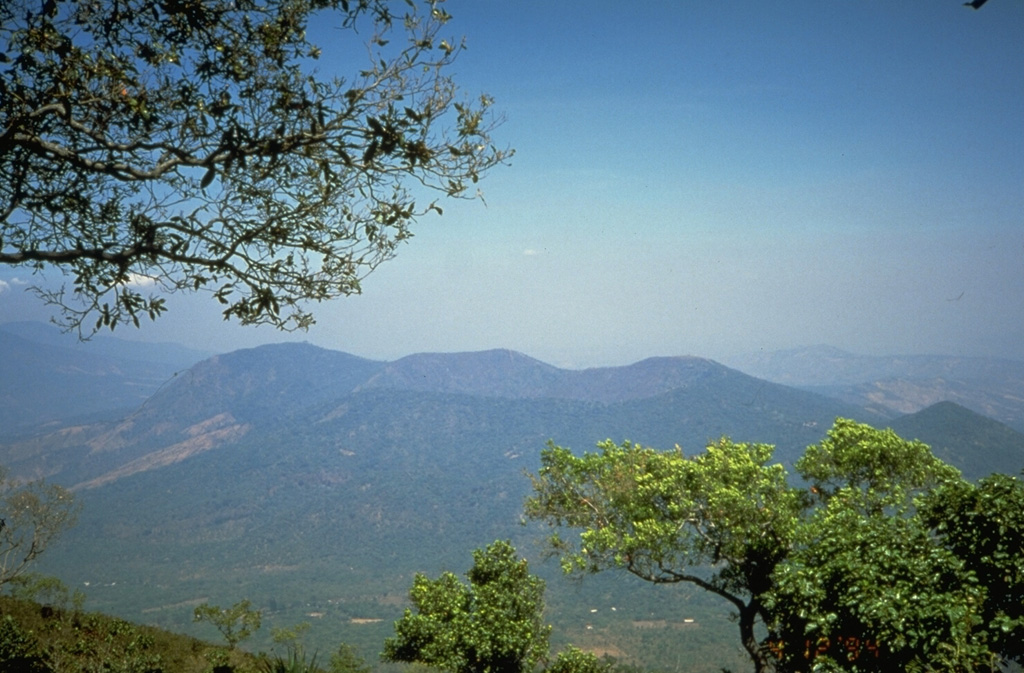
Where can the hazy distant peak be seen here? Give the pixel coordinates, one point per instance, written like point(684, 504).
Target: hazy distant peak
point(293, 347)
point(33, 331)
point(272, 379)
point(510, 374)
point(105, 346)
point(951, 416)
point(46, 376)
point(293, 359)
point(669, 361)
point(492, 357)
point(491, 373)
point(828, 366)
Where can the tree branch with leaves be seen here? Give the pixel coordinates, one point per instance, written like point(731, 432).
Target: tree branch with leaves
point(33, 515)
point(882, 558)
point(720, 520)
point(195, 145)
point(236, 623)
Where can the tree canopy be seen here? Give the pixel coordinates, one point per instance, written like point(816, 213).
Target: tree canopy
point(865, 586)
point(493, 624)
point(983, 527)
point(207, 145)
point(721, 520)
point(236, 623)
point(883, 557)
point(32, 516)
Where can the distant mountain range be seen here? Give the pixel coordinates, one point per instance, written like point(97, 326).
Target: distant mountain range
point(49, 378)
point(315, 482)
point(223, 399)
point(897, 385)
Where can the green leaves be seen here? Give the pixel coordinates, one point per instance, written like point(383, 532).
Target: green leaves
point(983, 526)
point(663, 515)
point(720, 520)
point(236, 623)
point(866, 563)
point(877, 579)
point(885, 560)
point(492, 625)
point(884, 469)
point(575, 660)
point(206, 118)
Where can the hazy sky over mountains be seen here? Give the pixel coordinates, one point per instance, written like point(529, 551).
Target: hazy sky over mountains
point(707, 179)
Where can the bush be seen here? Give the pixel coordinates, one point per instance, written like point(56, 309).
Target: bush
point(18, 651)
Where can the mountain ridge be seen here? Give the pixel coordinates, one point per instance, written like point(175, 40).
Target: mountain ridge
point(317, 481)
point(508, 373)
point(221, 399)
point(898, 384)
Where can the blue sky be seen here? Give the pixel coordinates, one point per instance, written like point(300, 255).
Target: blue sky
point(710, 179)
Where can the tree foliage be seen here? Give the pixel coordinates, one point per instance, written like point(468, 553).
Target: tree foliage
point(983, 527)
point(236, 623)
point(187, 145)
point(865, 587)
point(883, 559)
point(873, 470)
point(347, 660)
point(19, 651)
point(32, 516)
point(493, 624)
point(574, 660)
point(720, 520)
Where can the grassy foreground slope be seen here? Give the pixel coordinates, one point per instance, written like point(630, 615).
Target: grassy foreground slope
point(35, 637)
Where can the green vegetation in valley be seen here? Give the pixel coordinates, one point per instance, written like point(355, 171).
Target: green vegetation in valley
point(325, 501)
point(492, 624)
point(317, 519)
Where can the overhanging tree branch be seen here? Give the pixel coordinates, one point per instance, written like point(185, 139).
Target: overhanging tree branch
point(198, 145)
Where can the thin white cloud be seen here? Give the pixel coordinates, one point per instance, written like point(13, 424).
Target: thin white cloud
point(139, 280)
point(530, 252)
point(6, 285)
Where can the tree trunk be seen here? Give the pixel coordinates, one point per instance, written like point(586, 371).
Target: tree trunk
point(748, 616)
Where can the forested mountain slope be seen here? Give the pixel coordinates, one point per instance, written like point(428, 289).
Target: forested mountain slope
point(315, 483)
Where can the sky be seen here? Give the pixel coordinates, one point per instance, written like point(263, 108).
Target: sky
point(709, 179)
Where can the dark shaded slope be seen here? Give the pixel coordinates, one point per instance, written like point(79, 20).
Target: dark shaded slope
point(974, 443)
